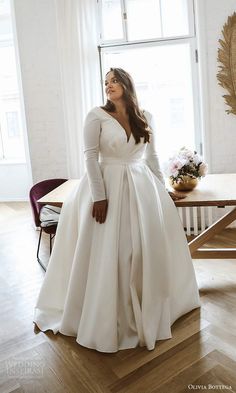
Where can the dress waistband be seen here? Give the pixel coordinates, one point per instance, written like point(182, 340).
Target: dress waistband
point(121, 161)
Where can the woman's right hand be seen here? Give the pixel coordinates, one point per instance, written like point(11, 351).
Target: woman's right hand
point(177, 195)
point(100, 210)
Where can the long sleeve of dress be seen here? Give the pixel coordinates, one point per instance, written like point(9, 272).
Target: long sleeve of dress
point(92, 129)
point(151, 156)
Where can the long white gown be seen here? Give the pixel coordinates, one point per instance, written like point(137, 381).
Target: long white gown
point(123, 283)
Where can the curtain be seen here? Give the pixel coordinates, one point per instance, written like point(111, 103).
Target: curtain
point(80, 73)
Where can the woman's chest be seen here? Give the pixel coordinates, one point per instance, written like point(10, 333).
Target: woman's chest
point(113, 137)
point(124, 123)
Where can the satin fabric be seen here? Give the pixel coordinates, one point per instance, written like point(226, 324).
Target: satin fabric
point(122, 283)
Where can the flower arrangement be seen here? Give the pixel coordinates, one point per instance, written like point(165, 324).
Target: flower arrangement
point(186, 163)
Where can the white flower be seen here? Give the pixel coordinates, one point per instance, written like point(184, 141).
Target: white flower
point(186, 154)
point(203, 169)
point(196, 159)
point(186, 163)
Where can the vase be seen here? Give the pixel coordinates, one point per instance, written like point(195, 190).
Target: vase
point(186, 184)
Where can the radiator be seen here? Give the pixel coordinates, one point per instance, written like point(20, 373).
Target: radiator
point(195, 219)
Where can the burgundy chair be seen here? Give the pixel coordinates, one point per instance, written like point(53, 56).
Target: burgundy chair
point(38, 191)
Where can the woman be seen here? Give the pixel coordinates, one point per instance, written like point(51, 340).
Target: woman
point(120, 272)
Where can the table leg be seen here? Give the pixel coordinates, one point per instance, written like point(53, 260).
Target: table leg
point(208, 234)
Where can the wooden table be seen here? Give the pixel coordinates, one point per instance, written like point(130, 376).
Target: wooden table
point(57, 196)
point(213, 190)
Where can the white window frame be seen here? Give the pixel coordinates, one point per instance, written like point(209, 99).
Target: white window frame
point(125, 40)
point(124, 44)
point(109, 42)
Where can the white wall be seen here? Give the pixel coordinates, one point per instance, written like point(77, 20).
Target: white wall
point(220, 128)
point(40, 69)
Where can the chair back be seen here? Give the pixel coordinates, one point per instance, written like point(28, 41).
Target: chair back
point(38, 191)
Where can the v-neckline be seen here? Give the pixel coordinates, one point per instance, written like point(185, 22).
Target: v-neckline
point(128, 137)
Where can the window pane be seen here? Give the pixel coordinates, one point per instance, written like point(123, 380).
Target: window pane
point(112, 25)
point(8, 76)
point(5, 29)
point(4, 7)
point(5, 21)
point(1, 145)
point(143, 19)
point(11, 130)
point(11, 135)
point(162, 76)
point(174, 17)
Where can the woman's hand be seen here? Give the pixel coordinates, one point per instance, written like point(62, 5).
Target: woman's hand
point(176, 195)
point(100, 211)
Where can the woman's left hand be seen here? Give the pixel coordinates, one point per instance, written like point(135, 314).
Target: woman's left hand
point(176, 195)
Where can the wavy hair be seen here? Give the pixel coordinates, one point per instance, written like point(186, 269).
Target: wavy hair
point(137, 120)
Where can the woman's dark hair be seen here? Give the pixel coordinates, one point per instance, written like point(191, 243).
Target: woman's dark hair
point(138, 122)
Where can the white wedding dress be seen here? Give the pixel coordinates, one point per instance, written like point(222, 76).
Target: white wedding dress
point(122, 283)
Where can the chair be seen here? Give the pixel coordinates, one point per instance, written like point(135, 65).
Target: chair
point(38, 191)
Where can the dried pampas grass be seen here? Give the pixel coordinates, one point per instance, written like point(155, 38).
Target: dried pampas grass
point(227, 57)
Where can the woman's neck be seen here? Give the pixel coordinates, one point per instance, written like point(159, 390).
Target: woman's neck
point(120, 108)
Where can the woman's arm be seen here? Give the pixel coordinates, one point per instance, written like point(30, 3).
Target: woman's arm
point(92, 129)
point(151, 156)
point(152, 159)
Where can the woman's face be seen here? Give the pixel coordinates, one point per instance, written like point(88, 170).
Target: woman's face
point(113, 88)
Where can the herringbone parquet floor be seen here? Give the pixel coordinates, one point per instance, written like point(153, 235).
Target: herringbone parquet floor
point(201, 356)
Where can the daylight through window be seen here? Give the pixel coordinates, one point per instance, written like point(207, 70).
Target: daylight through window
point(155, 42)
point(11, 136)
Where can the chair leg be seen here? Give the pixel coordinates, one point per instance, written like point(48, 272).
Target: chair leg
point(39, 242)
point(51, 243)
point(38, 259)
point(51, 239)
point(40, 235)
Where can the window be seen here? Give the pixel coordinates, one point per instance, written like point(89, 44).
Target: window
point(111, 20)
point(12, 124)
point(132, 20)
point(11, 137)
point(157, 47)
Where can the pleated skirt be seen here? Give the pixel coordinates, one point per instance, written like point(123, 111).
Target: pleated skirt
point(123, 283)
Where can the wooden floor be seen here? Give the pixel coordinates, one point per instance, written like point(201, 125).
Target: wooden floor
point(201, 356)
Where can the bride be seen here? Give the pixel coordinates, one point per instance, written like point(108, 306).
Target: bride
point(120, 273)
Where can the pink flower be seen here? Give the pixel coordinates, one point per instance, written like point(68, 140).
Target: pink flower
point(186, 163)
point(175, 165)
